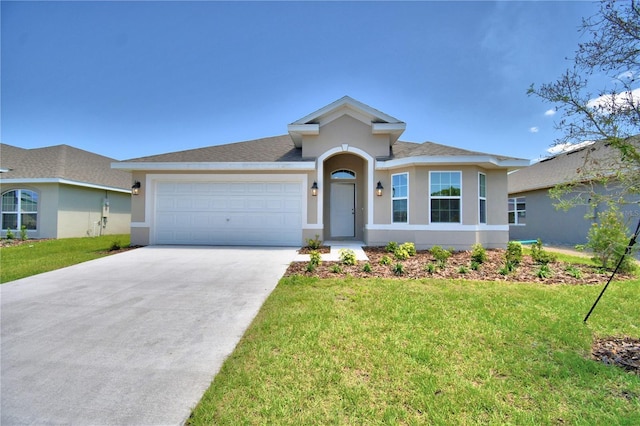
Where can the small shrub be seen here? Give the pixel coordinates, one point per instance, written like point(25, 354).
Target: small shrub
point(115, 245)
point(23, 233)
point(573, 272)
point(10, 235)
point(543, 271)
point(311, 267)
point(475, 265)
point(539, 255)
point(441, 255)
point(608, 239)
point(391, 246)
point(409, 248)
point(366, 268)
point(347, 256)
point(508, 268)
point(401, 253)
point(315, 258)
point(385, 260)
point(463, 269)
point(336, 269)
point(513, 254)
point(430, 268)
point(398, 268)
point(478, 254)
point(314, 243)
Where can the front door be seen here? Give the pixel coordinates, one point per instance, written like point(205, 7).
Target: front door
point(343, 210)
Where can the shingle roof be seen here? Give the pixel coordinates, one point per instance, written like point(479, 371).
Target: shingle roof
point(61, 162)
point(562, 168)
point(411, 149)
point(272, 149)
point(281, 148)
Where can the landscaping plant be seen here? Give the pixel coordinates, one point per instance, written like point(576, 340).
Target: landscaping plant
point(608, 239)
point(540, 255)
point(347, 257)
point(441, 255)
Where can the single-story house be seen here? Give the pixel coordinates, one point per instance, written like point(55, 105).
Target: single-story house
point(62, 192)
point(532, 213)
point(340, 173)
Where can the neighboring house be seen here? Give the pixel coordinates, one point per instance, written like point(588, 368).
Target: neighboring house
point(340, 173)
point(532, 213)
point(62, 192)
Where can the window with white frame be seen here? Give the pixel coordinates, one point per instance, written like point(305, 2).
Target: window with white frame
point(400, 197)
point(482, 196)
point(19, 208)
point(517, 211)
point(445, 193)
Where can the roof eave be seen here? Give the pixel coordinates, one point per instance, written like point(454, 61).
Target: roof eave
point(35, 181)
point(486, 161)
point(214, 166)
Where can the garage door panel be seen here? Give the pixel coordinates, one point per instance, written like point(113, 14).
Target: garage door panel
point(229, 213)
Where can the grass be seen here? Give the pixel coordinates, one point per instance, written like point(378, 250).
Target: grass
point(372, 351)
point(42, 256)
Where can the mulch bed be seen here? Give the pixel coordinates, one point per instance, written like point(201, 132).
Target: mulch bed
point(414, 268)
point(623, 352)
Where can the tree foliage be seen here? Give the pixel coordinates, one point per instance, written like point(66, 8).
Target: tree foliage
point(610, 114)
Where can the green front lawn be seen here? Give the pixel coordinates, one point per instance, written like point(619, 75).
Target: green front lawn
point(34, 257)
point(372, 351)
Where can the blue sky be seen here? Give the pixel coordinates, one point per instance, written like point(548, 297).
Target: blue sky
point(130, 79)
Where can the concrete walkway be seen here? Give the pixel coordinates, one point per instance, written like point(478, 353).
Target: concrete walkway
point(334, 255)
point(129, 339)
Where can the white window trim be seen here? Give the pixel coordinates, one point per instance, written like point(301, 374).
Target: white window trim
point(480, 198)
point(19, 211)
point(515, 210)
point(400, 198)
point(431, 172)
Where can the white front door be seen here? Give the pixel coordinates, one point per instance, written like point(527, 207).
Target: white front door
point(343, 210)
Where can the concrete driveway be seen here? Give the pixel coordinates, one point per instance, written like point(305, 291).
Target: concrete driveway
point(129, 339)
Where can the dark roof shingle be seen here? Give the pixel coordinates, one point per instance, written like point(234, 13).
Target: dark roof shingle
point(61, 162)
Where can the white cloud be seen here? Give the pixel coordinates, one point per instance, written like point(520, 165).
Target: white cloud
point(550, 112)
point(566, 147)
point(618, 102)
point(533, 129)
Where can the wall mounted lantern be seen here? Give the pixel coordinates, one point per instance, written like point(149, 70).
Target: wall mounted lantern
point(379, 189)
point(135, 189)
point(314, 189)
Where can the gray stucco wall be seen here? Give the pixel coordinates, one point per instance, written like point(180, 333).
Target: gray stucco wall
point(559, 227)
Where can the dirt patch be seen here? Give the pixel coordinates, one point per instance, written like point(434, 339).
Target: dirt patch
point(458, 266)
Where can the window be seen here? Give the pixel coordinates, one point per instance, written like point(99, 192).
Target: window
point(482, 194)
point(399, 197)
point(343, 174)
point(19, 208)
point(445, 190)
point(517, 211)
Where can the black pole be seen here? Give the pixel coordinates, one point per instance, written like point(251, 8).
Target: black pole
point(632, 242)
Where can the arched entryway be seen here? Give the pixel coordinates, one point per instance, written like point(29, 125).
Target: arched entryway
point(345, 197)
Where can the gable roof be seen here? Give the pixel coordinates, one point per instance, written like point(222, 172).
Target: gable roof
point(61, 164)
point(563, 168)
point(380, 122)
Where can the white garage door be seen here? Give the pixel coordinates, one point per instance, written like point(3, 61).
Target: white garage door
point(229, 213)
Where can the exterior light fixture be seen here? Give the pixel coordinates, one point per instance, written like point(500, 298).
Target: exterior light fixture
point(135, 189)
point(314, 189)
point(379, 189)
